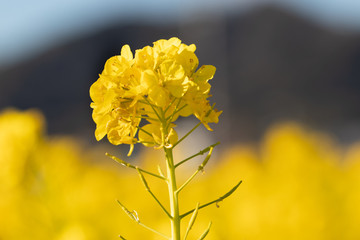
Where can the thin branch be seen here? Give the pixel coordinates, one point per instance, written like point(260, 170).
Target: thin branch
point(153, 108)
point(215, 201)
point(148, 118)
point(192, 220)
point(154, 231)
point(197, 154)
point(151, 193)
point(197, 125)
point(160, 171)
point(206, 232)
point(126, 164)
point(141, 129)
point(146, 142)
point(134, 216)
point(176, 111)
point(172, 102)
point(169, 119)
point(200, 168)
point(187, 182)
point(143, 112)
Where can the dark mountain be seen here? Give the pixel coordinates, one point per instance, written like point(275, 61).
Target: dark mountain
point(271, 65)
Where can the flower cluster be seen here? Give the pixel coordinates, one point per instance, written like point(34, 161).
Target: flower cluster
point(159, 84)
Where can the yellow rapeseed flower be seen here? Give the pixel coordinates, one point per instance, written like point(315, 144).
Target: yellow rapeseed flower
point(158, 84)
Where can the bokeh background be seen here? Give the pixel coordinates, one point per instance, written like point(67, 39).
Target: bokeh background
point(287, 80)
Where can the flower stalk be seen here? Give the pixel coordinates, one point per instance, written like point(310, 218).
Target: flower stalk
point(173, 196)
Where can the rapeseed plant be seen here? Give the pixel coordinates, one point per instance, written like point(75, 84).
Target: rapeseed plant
point(158, 85)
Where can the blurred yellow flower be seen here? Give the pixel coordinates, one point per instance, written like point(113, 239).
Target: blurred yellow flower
point(19, 137)
point(298, 184)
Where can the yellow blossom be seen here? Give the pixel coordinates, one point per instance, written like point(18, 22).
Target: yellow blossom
point(158, 84)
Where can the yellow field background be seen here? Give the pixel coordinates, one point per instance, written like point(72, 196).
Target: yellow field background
point(297, 184)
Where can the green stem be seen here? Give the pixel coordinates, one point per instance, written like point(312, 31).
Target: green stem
point(126, 164)
point(200, 168)
point(197, 154)
point(169, 119)
point(196, 126)
point(146, 185)
point(153, 230)
point(215, 201)
point(173, 196)
point(192, 221)
point(134, 216)
point(172, 102)
point(206, 232)
point(177, 110)
point(153, 108)
point(141, 129)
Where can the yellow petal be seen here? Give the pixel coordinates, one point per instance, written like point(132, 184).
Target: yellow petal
point(174, 41)
point(188, 61)
point(149, 79)
point(204, 73)
point(175, 79)
point(144, 58)
point(150, 134)
point(190, 48)
point(171, 70)
point(159, 96)
point(115, 66)
point(96, 91)
point(186, 111)
point(101, 127)
point(165, 46)
point(177, 87)
point(126, 53)
point(121, 132)
point(172, 137)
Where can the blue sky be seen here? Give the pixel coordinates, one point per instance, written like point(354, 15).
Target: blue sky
point(28, 26)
